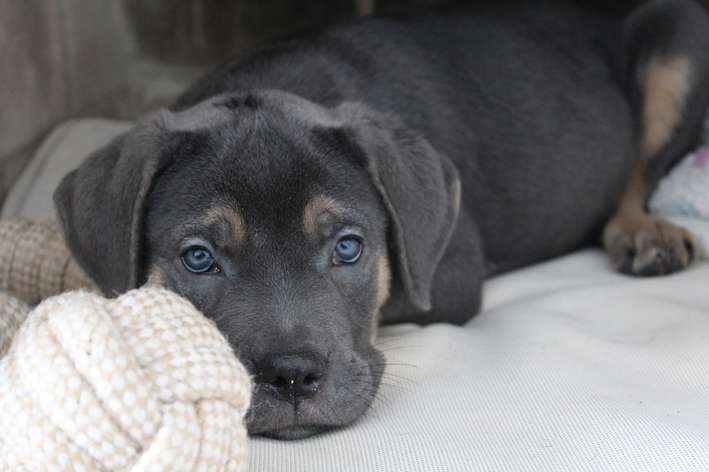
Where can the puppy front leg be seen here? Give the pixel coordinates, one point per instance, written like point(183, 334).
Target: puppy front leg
point(667, 46)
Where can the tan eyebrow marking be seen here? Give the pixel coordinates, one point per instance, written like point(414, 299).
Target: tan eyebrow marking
point(314, 210)
point(222, 214)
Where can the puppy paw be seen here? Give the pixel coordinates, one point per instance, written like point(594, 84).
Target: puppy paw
point(644, 245)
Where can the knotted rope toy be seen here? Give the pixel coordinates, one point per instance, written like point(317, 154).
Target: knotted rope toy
point(34, 264)
point(142, 382)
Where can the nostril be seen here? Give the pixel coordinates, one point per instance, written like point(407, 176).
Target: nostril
point(279, 383)
point(311, 379)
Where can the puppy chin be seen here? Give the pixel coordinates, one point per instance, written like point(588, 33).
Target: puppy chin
point(295, 432)
point(282, 420)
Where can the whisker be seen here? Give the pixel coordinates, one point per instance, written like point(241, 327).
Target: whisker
point(376, 394)
point(396, 348)
point(398, 388)
point(394, 364)
point(400, 377)
point(386, 342)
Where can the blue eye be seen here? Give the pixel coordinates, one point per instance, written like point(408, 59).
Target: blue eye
point(198, 260)
point(347, 251)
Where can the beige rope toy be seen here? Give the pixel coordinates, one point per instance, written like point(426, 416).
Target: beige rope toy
point(142, 382)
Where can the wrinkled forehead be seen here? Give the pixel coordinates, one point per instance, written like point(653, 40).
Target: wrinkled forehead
point(276, 169)
point(270, 171)
point(278, 105)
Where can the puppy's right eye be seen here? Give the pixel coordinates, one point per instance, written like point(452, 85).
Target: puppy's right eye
point(199, 260)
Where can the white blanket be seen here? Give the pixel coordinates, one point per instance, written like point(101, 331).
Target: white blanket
point(569, 367)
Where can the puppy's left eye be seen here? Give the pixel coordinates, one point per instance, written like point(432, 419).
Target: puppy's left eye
point(347, 250)
point(199, 260)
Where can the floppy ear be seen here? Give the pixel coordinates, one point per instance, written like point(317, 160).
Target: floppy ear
point(102, 203)
point(420, 189)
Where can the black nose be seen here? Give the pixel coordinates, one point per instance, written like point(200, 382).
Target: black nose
point(292, 376)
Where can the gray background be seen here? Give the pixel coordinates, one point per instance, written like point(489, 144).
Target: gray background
point(116, 58)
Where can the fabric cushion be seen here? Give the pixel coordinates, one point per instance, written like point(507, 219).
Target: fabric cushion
point(569, 366)
point(61, 151)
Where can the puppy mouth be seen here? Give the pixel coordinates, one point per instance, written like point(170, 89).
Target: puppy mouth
point(345, 394)
point(304, 418)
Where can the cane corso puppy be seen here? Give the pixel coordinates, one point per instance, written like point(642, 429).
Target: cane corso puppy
point(380, 170)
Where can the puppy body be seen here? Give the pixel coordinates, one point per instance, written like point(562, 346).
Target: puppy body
point(379, 171)
point(527, 103)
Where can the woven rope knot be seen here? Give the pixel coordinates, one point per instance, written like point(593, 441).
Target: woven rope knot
point(142, 382)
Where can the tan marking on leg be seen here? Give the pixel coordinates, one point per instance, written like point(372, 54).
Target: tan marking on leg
point(230, 216)
point(667, 83)
point(156, 277)
point(315, 209)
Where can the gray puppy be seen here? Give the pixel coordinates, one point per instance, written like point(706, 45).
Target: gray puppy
point(379, 171)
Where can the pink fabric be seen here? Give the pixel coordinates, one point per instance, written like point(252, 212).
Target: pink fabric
point(701, 158)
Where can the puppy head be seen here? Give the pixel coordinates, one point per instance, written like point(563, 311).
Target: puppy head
point(281, 220)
